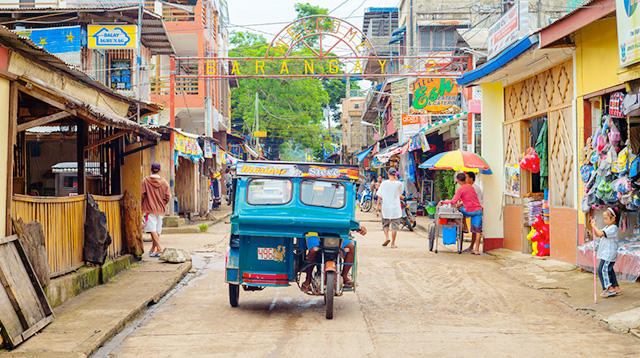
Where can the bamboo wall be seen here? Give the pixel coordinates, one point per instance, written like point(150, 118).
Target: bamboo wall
point(110, 205)
point(62, 220)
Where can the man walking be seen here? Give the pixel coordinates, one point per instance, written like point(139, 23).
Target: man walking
point(155, 197)
point(390, 194)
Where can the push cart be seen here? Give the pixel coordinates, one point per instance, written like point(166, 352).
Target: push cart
point(447, 217)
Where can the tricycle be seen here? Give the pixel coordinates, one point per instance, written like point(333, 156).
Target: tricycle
point(291, 219)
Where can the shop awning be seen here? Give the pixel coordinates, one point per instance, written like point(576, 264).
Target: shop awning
point(360, 156)
point(76, 107)
point(396, 39)
point(496, 63)
point(399, 31)
point(443, 123)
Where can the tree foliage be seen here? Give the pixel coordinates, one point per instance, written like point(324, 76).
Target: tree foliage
point(290, 109)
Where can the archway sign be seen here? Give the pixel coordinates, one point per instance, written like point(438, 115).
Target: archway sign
point(306, 35)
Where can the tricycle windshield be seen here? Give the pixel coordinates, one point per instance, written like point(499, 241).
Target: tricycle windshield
point(269, 191)
point(323, 193)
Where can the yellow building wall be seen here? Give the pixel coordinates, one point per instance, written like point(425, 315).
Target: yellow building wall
point(596, 57)
point(492, 152)
point(597, 66)
point(4, 150)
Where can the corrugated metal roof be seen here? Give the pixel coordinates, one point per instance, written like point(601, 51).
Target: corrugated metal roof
point(24, 45)
point(152, 23)
point(475, 38)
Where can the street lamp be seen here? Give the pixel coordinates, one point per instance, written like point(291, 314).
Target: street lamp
point(375, 128)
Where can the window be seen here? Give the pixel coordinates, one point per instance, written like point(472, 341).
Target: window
point(269, 191)
point(327, 194)
point(70, 182)
point(356, 105)
point(438, 38)
point(100, 66)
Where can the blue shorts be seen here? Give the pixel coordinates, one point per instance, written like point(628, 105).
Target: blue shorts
point(476, 220)
point(314, 241)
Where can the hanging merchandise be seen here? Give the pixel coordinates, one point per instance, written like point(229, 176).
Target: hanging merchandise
point(186, 145)
point(615, 105)
point(542, 150)
point(530, 161)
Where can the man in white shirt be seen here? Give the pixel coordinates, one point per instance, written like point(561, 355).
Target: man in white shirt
point(390, 194)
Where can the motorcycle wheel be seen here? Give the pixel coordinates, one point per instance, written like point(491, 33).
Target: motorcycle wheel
point(408, 224)
point(329, 293)
point(366, 206)
point(234, 294)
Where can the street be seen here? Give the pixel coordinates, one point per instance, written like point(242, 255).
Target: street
point(409, 302)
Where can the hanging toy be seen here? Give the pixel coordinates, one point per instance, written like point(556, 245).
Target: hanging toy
point(530, 160)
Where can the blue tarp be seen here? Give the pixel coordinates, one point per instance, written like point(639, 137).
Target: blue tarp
point(399, 31)
point(396, 39)
point(363, 154)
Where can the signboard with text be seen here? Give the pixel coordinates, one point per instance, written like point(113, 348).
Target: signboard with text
point(413, 123)
point(112, 36)
point(510, 28)
point(434, 95)
point(628, 20)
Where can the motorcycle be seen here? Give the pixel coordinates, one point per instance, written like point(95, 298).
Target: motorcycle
point(366, 199)
point(408, 219)
point(229, 193)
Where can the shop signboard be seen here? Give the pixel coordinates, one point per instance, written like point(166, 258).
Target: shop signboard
point(399, 100)
point(434, 94)
point(413, 123)
point(112, 36)
point(628, 20)
point(187, 147)
point(510, 28)
point(512, 180)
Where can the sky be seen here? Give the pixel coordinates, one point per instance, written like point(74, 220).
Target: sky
point(251, 13)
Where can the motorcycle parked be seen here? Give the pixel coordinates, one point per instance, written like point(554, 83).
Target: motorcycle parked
point(408, 219)
point(365, 201)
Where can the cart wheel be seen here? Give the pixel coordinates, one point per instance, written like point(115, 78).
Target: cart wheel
point(366, 206)
point(432, 236)
point(234, 295)
point(460, 240)
point(329, 293)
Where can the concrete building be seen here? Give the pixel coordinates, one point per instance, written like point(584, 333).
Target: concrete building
point(354, 134)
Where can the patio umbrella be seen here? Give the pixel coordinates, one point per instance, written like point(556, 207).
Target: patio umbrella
point(457, 160)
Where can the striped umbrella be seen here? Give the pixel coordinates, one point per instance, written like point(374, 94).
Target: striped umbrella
point(459, 160)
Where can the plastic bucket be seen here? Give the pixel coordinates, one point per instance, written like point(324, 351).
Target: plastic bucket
point(443, 221)
point(449, 235)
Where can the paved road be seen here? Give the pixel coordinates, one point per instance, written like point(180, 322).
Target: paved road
point(409, 303)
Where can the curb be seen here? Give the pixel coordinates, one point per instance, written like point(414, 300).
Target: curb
point(193, 229)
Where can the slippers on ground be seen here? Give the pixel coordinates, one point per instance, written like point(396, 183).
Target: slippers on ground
point(157, 254)
point(348, 283)
point(386, 242)
point(468, 250)
point(608, 294)
point(305, 287)
point(394, 246)
point(151, 254)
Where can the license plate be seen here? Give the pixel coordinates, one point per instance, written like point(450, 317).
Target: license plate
point(265, 253)
point(271, 253)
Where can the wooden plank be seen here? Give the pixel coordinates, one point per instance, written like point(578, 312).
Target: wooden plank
point(13, 121)
point(43, 120)
point(105, 140)
point(44, 97)
point(5, 240)
point(22, 289)
point(47, 199)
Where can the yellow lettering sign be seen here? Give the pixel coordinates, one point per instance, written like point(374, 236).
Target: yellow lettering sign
point(291, 33)
point(211, 67)
point(332, 66)
point(281, 46)
point(284, 67)
point(351, 32)
point(260, 65)
point(234, 68)
point(363, 45)
point(357, 68)
point(308, 68)
point(382, 63)
point(335, 26)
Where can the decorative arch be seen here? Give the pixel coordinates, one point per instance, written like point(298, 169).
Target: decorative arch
point(319, 26)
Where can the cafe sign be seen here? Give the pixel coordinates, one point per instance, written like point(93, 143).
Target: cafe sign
point(434, 94)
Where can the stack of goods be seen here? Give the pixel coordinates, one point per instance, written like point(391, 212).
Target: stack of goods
point(627, 265)
point(532, 208)
point(545, 211)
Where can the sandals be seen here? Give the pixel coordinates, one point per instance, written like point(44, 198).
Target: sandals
point(609, 294)
point(468, 250)
point(306, 288)
point(386, 242)
point(348, 283)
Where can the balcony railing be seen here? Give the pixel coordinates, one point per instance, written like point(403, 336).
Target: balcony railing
point(161, 85)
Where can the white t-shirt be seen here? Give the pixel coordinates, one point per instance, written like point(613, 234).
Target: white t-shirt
point(390, 192)
point(478, 193)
